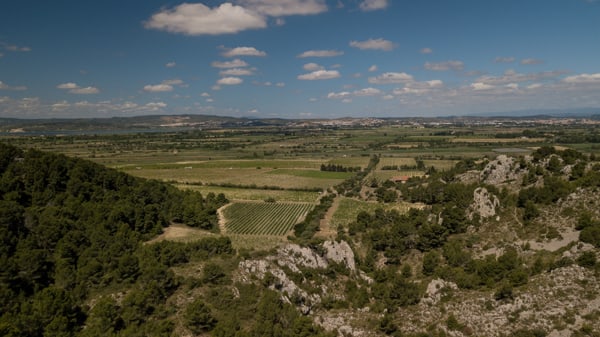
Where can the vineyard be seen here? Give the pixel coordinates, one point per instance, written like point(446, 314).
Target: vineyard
point(252, 218)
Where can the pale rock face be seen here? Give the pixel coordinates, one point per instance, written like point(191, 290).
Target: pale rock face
point(433, 294)
point(484, 204)
point(499, 171)
point(340, 252)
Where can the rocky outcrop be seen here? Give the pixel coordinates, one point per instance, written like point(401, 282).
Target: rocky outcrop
point(295, 259)
point(484, 204)
point(500, 170)
point(340, 252)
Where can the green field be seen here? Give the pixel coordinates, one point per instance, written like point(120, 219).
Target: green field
point(349, 208)
point(263, 218)
point(233, 193)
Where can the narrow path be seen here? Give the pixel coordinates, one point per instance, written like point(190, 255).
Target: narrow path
point(221, 218)
point(325, 228)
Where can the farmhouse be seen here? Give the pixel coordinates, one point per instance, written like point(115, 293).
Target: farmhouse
point(400, 179)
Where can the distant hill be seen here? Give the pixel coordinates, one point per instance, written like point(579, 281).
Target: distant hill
point(544, 113)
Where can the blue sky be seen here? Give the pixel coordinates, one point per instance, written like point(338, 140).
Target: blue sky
point(297, 58)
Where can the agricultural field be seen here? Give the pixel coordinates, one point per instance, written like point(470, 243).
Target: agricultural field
point(349, 208)
point(263, 218)
point(238, 194)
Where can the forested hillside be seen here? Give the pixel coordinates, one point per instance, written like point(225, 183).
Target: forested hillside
point(71, 229)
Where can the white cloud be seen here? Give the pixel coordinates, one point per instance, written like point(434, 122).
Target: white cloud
point(312, 67)
point(321, 53)
point(372, 5)
point(280, 84)
point(85, 91)
point(583, 79)
point(511, 76)
point(338, 95)
point(198, 19)
point(426, 51)
point(373, 68)
point(320, 75)
point(236, 72)
point(158, 87)
point(154, 106)
point(230, 81)
point(420, 88)
point(237, 63)
point(205, 94)
point(346, 95)
point(69, 85)
point(446, 65)
point(14, 48)
point(367, 92)
point(244, 51)
point(389, 78)
point(278, 8)
point(531, 61)
point(373, 44)
point(74, 88)
point(504, 59)
point(4, 86)
point(534, 86)
point(479, 86)
point(173, 82)
point(170, 65)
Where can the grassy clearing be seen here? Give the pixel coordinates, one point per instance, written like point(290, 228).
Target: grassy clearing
point(348, 209)
point(351, 161)
point(233, 193)
point(386, 175)
point(440, 164)
point(398, 161)
point(261, 218)
point(497, 140)
point(312, 174)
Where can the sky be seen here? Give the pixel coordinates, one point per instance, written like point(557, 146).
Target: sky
point(296, 58)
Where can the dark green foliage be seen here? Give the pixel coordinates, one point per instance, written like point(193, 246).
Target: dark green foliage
point(529, 333)
point(505, 292)
point(587, 259)
point(307, 228)
point(198, 317)
point(212, 273)
point(591, 235)
point(69, 228)
point(431, 260)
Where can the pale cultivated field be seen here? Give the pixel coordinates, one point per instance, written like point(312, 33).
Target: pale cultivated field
point(233, 193)
point(497, 140)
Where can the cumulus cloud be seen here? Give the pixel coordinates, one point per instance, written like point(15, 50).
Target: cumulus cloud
point(244, 51)
point(198, 19)
point(426, 51)
point(4, 86)
point(164, 86)
point(85, 91)
point(236, 72)
point(320, 53)
point(170, 65)
point(531, 61)
point(237, 63)
point(320, 75)
point(511, 76)
point(419, 88)
point(230, 81)
point(367, 92)
point(583, 79)
point(374, 44)
point(479, 86)
point(74, 88)
point(312, 67)
point(156, 105)
point(373, 68)
point(13, 48)
point(390, 78)
point(158, 87)
point(444, 66)
point(504, 59)
point(278, 8)
point(372, 5)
